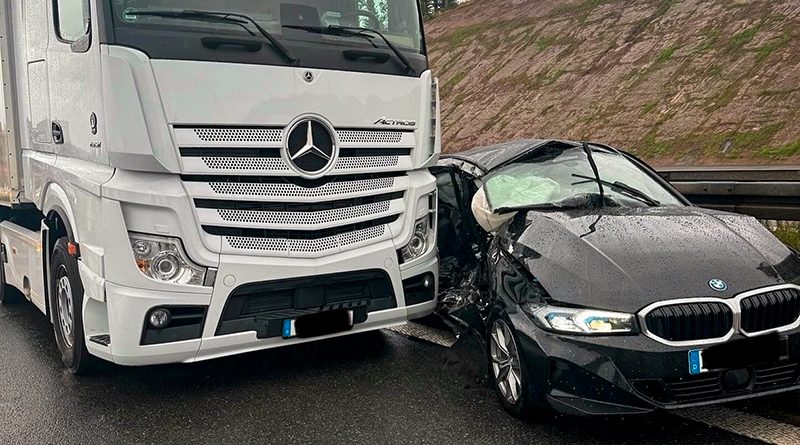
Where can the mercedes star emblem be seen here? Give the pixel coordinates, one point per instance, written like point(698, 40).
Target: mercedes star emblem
point(311, 148)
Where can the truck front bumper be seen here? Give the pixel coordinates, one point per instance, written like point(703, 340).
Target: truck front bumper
point(128, 307)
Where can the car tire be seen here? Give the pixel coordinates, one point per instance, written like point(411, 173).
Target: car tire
point(511, 383)
point(66, 291)
point(8, 294)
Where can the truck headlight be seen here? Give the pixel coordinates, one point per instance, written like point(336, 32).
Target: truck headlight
point(163, 259)
point(420, 242)
point(583, 321)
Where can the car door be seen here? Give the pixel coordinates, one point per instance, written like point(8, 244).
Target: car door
point(73, 59)
point(458, 234)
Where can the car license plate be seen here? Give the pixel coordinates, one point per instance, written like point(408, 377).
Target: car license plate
point(739, 354)
point(696, 362)
point(315, 325)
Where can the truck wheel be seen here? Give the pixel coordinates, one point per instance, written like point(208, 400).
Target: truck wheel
point(8, 294)
point(66, 290)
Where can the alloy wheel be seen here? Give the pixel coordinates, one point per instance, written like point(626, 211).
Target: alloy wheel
point(505, 362)
point(66, 310)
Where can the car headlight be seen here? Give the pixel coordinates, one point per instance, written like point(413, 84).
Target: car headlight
point(163, 259)
point(584, 321)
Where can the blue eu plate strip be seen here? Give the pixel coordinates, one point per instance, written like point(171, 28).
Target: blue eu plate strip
point(695, 362)
point(287, 328)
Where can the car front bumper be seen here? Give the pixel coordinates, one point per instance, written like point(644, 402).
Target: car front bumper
point(582, 375)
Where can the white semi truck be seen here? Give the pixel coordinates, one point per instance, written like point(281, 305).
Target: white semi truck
point(183, 180)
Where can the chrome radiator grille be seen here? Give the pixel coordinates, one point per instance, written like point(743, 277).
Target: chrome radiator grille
point(246, 194)
point(712, 320)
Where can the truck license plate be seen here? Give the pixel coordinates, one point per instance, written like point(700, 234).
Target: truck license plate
point(315, 325)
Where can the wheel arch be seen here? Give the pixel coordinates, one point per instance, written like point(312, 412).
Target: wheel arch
point(58, 222)
point(58, 211)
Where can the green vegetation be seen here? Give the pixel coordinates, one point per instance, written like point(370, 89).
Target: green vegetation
point(742, 38)
point(531, 83)
point(780, 152)
point(653, 147)
point(788, 233)
point(726, 96)
point(710, 145)
point(783, 92)
point(460, 35)
point(766, 49)
point(648, 107)
point(710, 37)
point(663, 7)
point(581, 7)
point(666, 54)
point(545, 42)
point(452, 82)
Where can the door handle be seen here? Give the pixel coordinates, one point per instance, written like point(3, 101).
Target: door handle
point(58, 133)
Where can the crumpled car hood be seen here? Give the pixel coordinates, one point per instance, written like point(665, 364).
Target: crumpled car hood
point(623, 259)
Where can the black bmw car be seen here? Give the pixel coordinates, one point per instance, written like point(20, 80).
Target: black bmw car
point(599, 289)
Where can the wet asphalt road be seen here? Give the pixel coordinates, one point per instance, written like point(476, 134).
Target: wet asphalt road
point(373, 388)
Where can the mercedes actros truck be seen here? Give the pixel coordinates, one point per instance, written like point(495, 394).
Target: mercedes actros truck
point(183, 180)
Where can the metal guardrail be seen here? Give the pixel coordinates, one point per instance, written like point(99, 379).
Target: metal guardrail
point(763, 192)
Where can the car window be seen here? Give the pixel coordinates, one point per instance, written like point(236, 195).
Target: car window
point(553, 175)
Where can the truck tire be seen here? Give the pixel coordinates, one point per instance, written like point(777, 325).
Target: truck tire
point(8, 294)
point(66, 291)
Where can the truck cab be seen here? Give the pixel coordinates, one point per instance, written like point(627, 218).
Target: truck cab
point(184, 180)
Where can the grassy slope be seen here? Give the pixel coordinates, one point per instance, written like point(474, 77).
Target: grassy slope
point(789, 235)
point(678, 82)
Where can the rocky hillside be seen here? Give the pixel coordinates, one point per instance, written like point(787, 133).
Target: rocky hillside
point(676, 81)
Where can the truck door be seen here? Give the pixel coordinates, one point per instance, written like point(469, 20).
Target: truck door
point(35, 60)
point(73, 59)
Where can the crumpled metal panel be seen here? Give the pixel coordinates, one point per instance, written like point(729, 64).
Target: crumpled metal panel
point(492, 156)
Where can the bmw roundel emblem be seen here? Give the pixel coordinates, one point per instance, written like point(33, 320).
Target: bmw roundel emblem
point(718, 285)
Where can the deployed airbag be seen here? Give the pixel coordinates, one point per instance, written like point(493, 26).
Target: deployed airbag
point(488, 220)
point(519, 188)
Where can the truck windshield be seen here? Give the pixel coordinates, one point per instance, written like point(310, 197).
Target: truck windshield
point(181, 29)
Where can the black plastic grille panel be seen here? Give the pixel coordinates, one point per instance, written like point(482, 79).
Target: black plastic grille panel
point(690, 321)
point(709, 386)
point(770, 310)
point(263, 306)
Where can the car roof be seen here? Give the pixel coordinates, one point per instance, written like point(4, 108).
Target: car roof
point(491, 157)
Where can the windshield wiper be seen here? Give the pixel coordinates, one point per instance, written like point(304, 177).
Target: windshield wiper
point(353, 31)
point(580, 201)
point(589, 155)
point(224, 17)
point(628, 189)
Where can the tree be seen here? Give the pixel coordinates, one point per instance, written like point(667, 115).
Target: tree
point(432, 7)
